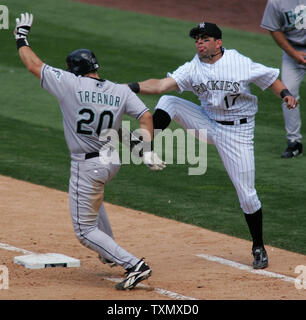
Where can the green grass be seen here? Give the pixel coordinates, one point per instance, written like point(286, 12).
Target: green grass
point(129, 47)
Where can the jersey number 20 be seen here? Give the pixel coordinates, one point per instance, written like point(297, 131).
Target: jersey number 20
point(89, 120)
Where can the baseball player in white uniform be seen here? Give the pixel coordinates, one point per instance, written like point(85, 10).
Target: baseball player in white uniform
point(286, 21)
point(221, 79)
point(91, 107)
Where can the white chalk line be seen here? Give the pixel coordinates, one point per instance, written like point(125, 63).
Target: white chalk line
point(246, 268)
point(11, 248)
point(163, 292)
point(160, 291)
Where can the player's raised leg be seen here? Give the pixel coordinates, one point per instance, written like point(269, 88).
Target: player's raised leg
point(189, 115)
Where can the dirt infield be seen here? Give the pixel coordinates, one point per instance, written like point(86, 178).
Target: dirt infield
point(238, 14)
point(37, 219)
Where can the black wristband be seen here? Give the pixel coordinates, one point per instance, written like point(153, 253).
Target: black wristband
point(284, 93)
point(134, 86)
point(22, 42)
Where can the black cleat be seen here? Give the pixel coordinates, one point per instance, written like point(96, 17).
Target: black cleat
point(294, 149)
point(260, 258)
point(134, 275)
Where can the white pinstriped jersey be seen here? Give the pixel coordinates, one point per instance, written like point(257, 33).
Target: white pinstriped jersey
point(89, 106)
point(224, 86)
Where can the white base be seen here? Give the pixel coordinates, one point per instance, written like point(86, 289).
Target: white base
point(47, 260)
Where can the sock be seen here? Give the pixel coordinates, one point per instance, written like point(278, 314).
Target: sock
point(254, 222)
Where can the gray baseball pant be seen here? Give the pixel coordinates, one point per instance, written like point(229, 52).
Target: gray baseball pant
point(89, 218)
point(292, 76)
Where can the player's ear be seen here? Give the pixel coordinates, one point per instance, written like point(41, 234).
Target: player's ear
point(219, 43)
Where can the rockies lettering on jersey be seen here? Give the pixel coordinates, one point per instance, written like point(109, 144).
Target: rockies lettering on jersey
point(217, 85)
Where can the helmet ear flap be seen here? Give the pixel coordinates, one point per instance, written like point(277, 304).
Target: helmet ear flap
point(81, 62)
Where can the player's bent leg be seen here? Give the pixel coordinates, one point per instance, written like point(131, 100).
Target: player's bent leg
point(104, 226)
point(103, 222)
point(86, 195)
point(107, 248)
point(189, 115)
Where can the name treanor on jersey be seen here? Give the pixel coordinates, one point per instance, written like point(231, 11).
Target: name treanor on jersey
point(99, 98)
point(217, 85)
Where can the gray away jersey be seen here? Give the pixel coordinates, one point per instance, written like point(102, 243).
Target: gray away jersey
point(89, 106)
point(224, 86)
point(283, 15)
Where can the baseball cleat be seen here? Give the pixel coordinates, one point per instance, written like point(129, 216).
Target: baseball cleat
point(260, 258)
point(134, 275)
point(294, 149)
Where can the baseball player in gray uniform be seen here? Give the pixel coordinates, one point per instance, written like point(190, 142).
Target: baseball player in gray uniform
point(286, 21)
point(221, 79)
point(91, 108)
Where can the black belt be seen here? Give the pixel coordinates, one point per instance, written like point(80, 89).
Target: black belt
point(231, 123)
point(96, 153)
point(91, 155)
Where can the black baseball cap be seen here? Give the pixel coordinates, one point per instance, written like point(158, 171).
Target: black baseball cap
point(206, 28)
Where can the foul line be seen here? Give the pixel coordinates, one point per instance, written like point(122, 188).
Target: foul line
point(163, 292)
point(11, 248)
point(246, 268)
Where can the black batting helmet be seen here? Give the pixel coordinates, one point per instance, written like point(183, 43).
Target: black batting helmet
point(82, 61)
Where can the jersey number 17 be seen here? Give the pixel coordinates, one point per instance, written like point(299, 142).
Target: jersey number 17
point(227, 103)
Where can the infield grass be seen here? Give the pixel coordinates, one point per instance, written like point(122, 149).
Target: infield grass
point(129, 47)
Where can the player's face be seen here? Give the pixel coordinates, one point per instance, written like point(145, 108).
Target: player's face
point(206, 46)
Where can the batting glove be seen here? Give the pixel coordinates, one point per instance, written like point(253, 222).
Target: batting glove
point(23, 26)
point(152, 161)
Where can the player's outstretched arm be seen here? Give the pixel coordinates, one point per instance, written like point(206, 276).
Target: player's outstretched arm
point(280, 90)
point(154, 86)
point(29, 58)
